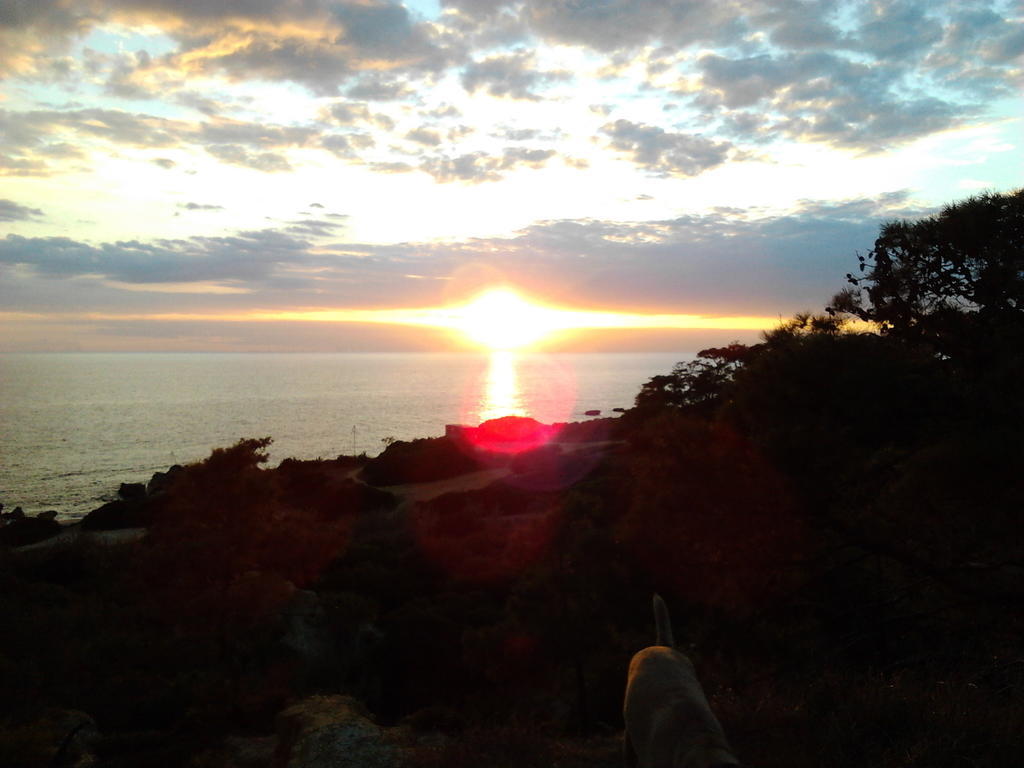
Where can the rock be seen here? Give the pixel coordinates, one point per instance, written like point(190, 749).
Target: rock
point(249, 752)
point(50, 514)
point(162, 481)
point(132, 491)
point(592, 413)
point(307, 634)
point(28, 530)
point(15, 514)
point(618, 410)
point(118, 514)
point(59, 738)
point(78, 735)
point(332, 732)
point(419, 461)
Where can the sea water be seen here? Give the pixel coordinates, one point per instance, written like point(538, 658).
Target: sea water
point(75, 426)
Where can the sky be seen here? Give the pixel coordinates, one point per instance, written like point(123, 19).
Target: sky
point(306, 175)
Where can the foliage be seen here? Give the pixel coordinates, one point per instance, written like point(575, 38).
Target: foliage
point(697, 383)
point(707, 517)
point(227, 525)
point(951, 282)
point(820, 401)
point(417, 461)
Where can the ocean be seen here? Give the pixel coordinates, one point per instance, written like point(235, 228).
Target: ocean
point(75, 426)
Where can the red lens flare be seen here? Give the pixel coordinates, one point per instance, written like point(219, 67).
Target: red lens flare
point(518, 401)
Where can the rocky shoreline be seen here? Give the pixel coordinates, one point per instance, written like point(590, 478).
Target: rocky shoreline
point(410, 486)
point(493, 445)
point(132, 510)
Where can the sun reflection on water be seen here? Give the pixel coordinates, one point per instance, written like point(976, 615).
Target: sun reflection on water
point(501, 395)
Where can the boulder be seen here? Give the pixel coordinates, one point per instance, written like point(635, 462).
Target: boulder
point(593, 412)
point(118, 514)
point(15, 514)
point(132, 491)
point(249, 752)
point(22, 530)
point(307, 635)
point(161, 481)
point(419, 461)
point(332, 732)
point(59, 738)
point(77, 736)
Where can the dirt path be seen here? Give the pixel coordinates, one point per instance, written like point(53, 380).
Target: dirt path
point(471, 481)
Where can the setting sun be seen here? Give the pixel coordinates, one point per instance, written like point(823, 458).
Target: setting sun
point(501, 319)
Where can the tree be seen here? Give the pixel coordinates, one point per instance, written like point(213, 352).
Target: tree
point(229, 543)
point(953, 282)
point(698, 383)
point(821, 400)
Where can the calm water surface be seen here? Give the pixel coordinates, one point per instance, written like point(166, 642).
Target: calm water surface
point(74, 426)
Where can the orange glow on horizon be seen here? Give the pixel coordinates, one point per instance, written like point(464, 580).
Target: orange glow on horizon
point(497, 318)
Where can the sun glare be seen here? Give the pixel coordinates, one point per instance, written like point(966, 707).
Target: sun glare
point(501, 319)
point(498, 319)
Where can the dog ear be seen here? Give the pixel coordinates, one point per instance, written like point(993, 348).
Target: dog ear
point(662, 623)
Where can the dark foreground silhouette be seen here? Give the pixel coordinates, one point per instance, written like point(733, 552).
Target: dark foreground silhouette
point(833, 516)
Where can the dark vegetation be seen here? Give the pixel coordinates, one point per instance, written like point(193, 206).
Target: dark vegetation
point(834, 516)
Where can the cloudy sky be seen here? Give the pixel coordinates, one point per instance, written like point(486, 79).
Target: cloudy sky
point(239, 174)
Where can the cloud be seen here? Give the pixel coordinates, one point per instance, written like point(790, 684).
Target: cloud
point(534, 158)
point(246, 256)
point(350, 114)
point(744, 82)
point(799, 25)
point(725, 261)
point(513, 76)
point(29, 129)
point(474, 167)
point(608, 26)
point(377, 87)
point(897, 30)
point(200, 207)
point(520, 134)
point(867, 76)
point(22, 166)
point(235, 154)
point(29, 29)
point(424, 135)
point(317, 227)
point(857, 75)
point(821, 97)
point(342, 145)
point(220, 131)
point(32, 137)
point(664, 153)
point(319, 44)
point(12, 211)
point(480, 167)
